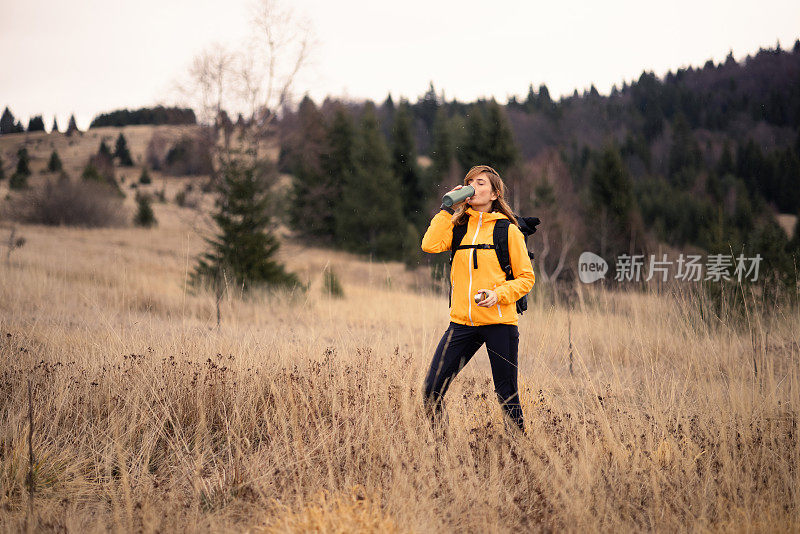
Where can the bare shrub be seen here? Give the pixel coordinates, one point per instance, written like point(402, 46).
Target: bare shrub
point(157, 149)
point(79, 203)
point(187, 198)
point(190, 155)
point(100, 168)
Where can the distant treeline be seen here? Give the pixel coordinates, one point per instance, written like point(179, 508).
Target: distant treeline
point(11, 125)
point(157, 115)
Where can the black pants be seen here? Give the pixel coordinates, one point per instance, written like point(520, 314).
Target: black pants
point(459, 343)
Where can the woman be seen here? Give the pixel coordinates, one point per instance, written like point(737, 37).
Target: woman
point(492, 320)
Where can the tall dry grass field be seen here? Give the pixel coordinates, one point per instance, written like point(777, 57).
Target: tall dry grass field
point(303, 412)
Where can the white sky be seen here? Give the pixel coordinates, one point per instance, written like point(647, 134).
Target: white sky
point(90, 56)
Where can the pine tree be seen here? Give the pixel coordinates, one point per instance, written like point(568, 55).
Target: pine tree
point(443, 153)
point(771, 242)
point(19, 180)
point(726, 164)
point(370, 219)
point(54, 164)
point(612, 202)
point(91, 173)
point(242, 253)
point(404, 165)
point(427, 107)
point(532, 100)
point(122, 153)
point(54, 129)
point(472, 148)
point(545, 102)
point(312, 205)
point(23, 162)
point(144, 177)
point(540, 101)
point(714, 187)
point(36, 124)
point(786, 180)
point(145, 216)
point(684, 154)
point(443, 173)
point(388, 104)
point(7, 122)
point(72, 127)
point(338, 163)
point(386, 116)
point(611, 186)
point(104, 150)
point(412, 253)
point(500, 149)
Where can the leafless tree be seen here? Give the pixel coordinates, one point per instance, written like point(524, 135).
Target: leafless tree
point(546, 192)
point(256, 78)
point(210, 76)
point(278, 50)
point(567, 240)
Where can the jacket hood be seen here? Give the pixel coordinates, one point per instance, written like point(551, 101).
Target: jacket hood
point(491, 216)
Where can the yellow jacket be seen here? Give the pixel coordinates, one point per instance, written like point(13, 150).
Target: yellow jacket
point(466, 281)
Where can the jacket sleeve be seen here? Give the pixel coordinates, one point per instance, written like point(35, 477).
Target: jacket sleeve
point(439, 235)
point(512, 290)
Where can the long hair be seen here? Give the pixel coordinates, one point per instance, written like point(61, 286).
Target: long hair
point(460, 216)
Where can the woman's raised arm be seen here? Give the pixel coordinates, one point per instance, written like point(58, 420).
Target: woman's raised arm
point(439, 235)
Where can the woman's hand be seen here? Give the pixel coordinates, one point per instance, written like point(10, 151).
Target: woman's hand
point(489, 298)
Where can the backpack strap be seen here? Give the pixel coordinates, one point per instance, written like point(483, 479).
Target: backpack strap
point(459, 231)
point(475, 256)
point(500, 237)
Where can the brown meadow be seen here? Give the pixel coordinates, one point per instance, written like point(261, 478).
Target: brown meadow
point(303, 412)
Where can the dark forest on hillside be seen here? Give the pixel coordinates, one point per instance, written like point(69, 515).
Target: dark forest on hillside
point(701, 159)
point(156, 115)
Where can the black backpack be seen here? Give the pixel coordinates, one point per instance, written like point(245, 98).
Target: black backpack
point(500, 238)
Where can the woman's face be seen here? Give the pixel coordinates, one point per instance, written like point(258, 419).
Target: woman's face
point(483, 190)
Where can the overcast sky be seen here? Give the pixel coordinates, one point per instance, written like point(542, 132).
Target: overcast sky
point(89, 56)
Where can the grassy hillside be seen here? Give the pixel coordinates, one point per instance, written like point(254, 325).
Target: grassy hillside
point(302, 412)
point(75, 150)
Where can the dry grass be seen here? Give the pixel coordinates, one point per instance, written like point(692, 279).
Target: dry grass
point(303, 412)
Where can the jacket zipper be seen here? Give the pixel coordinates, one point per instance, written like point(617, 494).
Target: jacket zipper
point(469, 267)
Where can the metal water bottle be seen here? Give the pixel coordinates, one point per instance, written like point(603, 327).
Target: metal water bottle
point(454, 197)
